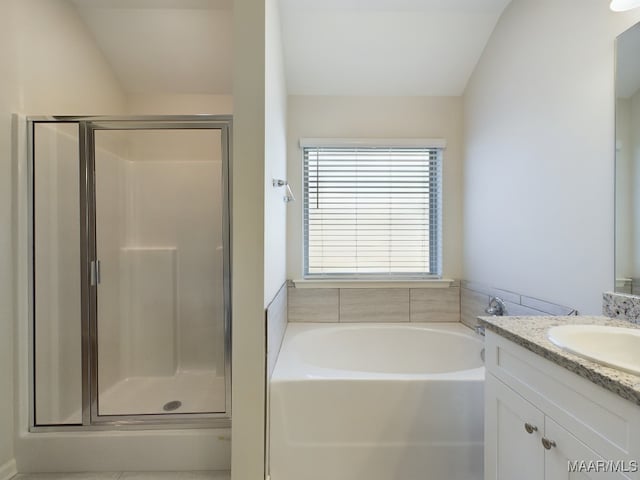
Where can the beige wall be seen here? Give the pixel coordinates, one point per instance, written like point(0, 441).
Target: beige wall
point(54, 65)
point(248, 252)
point(179, 104)
point(539, 152)
point(378, 117)
point(48, 64)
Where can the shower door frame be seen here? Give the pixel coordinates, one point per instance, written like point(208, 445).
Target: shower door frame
point(87, 126)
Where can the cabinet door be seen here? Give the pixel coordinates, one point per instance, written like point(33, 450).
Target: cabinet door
point(570, 459)
point(511, 452)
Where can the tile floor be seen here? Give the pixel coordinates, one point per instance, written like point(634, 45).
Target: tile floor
point(126, 476)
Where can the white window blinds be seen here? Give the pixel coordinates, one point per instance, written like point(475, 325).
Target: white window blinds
point(372, 210)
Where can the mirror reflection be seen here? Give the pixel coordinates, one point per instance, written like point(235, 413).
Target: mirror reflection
point(628, 162)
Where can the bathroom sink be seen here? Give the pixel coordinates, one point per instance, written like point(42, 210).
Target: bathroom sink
point(615, 347)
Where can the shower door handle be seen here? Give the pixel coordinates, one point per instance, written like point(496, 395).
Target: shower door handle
point(95, 273)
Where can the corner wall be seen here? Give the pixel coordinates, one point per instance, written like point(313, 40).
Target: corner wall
point(539, 152)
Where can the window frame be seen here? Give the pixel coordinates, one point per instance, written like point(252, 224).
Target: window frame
point(435, 218)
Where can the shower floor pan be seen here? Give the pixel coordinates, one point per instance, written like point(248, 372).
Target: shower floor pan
point(185, 392)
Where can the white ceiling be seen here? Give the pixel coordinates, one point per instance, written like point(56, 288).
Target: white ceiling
point(385, 47)
point(164, 46)
point(331, 47)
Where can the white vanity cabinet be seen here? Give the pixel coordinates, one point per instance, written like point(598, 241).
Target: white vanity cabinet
point(540, 419)
point(511, 452)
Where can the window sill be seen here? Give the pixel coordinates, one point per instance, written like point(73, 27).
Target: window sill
point(400, 283)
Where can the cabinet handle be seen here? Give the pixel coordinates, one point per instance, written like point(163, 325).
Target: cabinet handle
point(530, 428)
point(548, 444)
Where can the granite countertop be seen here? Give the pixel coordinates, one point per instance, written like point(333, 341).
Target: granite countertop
point(531, 333)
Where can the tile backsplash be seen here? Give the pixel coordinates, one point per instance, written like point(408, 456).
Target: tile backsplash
point(474, 298)
point(314, 304)
point(276, 318)
point(435, 304)
point(460, 302)
point(374, 304)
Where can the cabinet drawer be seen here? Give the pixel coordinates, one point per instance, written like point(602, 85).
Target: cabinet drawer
point(569, 453)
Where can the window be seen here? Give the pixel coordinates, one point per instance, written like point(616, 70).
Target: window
point(371, 209)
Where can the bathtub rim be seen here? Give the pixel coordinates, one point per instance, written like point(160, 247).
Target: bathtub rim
point(296, 372)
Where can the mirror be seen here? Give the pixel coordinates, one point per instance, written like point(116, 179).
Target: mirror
point(627, 253)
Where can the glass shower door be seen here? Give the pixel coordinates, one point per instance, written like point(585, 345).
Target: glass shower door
point(159, 270)
point(56, 273)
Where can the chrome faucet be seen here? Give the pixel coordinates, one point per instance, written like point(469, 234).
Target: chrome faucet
point(496, 307)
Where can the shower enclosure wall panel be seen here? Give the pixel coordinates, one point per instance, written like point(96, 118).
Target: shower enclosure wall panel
point(177, 193)
point(58, 368)
point(150, 314)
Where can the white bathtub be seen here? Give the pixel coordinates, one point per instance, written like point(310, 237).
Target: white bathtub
point(377, 402)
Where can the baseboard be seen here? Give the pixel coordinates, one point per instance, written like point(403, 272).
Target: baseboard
point(8, 470)
point(129, 451)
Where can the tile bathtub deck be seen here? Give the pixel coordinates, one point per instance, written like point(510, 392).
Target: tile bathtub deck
point(217, 475)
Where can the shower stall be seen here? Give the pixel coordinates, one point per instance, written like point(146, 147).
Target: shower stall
point(129, 272)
